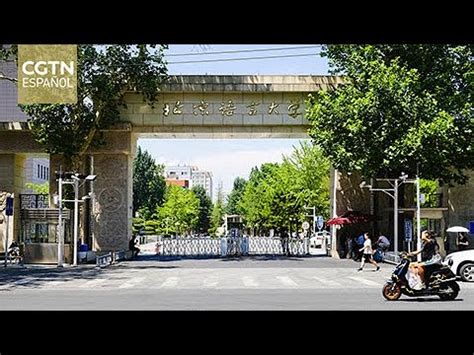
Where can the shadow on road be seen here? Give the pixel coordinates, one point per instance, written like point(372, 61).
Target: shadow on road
point(425, 299)
point(36, 278)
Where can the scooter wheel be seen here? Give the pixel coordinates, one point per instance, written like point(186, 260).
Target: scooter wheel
point(391, 291)
point(452, 291)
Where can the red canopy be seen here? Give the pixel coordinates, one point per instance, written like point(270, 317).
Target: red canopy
point(351, 217)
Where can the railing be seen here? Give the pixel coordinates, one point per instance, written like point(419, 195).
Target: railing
point(110, 258)
point(234, 246)
point(190, 247)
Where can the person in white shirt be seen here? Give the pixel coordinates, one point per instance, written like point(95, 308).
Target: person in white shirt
point(367, 253)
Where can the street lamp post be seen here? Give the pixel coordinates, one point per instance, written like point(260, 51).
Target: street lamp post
point(418, 211)
point(60, 219)
point(393, 193)
point(396, 183)
point(418, 217)
point(76, 178)
point(76, 217)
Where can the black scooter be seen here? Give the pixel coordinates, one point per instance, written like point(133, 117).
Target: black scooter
point(442, 282)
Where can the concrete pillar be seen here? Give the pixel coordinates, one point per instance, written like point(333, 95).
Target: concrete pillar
point(12, 180)
point(112, 206)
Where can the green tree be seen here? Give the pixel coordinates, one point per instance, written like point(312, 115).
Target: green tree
point(278, 193)
point(38, 188)
point(217, 215)
point(232, 206)
point(148, 184)
point(205, 209)
point(180, 211)
point(256, 201)
point(429, 188)
point(104, 75)
point(311, 177)
point(402, 108)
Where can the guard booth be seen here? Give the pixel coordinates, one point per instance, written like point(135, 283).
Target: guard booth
point(39, 230)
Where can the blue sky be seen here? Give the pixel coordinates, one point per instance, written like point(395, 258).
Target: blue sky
point(227, 159)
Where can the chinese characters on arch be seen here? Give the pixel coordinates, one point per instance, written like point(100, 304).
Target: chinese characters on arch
point(228, 108)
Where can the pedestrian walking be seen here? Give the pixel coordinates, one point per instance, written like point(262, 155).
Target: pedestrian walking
point(367, 254)
point(360, 244)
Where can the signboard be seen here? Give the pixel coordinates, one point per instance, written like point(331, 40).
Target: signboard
point(320, 222)
point(305, 225)
point(9, 207)
point(408, 230)
point(471, 227)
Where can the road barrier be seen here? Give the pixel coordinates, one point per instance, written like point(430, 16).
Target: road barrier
point(111, 258)
point(233, 246)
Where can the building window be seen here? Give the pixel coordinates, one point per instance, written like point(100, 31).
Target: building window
point(38, 171)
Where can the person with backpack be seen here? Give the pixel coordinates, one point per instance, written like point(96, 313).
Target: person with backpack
point(360, 244)
point(367, 253)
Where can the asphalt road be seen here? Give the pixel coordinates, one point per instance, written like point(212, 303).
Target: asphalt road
point(257, 283)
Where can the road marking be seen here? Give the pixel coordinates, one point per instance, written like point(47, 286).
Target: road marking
point(327, 282)
point(170, 282)
point(287, 281)
point(364, 281)
point(210, 282)
point(132, 283)
point(249, 281)
point(93, 283)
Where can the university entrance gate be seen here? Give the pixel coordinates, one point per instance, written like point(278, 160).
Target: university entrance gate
point(187, 107)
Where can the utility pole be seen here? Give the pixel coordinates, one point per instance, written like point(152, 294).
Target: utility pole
point(393, 193)
point(76, 217)
point(60, 218)
point(334, 215)
point(418, 217)
point(395, 215)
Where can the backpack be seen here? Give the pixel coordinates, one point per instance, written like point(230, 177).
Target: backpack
point(378, 256)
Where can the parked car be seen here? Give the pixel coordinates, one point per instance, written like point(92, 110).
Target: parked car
point(461, 264)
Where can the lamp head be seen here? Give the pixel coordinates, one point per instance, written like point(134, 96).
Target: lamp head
point(91, 177)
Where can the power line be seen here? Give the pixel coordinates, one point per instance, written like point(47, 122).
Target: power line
point(242, 51)
point(245, 58)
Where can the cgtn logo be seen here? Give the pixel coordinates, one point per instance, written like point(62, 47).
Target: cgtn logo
point(47, 74)
point(51, 73)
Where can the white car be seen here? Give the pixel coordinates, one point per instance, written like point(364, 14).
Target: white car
point(461, 264)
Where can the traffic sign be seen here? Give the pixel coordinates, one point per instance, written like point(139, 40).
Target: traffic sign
point(305, 225)
point(320, 222)
point(9, 207)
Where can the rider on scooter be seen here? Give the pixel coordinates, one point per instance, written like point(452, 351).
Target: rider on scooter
point(429, 255)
